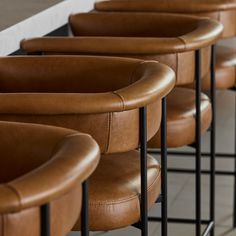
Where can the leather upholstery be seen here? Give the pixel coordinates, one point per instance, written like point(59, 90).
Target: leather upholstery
point(102, 101)
point(120, 173)
point(100, 96)
point(49, 166)
point(223, 11)
point(225, 69)
point(181, 118)
point(92, 31)
point(105, 34)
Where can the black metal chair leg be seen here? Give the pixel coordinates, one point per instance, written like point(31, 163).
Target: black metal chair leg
point(85, 210)
point(198, 142)
point(164, 207)
point(143, 162)
point(213, 126)
point(234, 210)
point(45, 220)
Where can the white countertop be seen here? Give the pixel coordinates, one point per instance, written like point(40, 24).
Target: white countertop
point(34, 18)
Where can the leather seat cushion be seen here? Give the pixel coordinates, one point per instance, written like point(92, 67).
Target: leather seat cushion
point(181, 118)
point(225, 69)
point(115, 190)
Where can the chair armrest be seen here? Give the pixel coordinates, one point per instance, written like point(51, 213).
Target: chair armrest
point(153, 80)
point(173, 6)
point(73, 161)
point(104, 34)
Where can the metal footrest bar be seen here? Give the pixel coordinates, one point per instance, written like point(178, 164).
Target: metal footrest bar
point(208, 229)
point(187, 153)
point(205, 172)
point(178, 220)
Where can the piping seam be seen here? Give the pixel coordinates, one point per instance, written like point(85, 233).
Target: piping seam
point(121, 99)
point(183, 41)
point(9, 186)
point(109, 131)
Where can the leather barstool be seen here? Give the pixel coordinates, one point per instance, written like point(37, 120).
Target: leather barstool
point(223, 11)
point(118, 102)
point(42, 171)
point(174, 40)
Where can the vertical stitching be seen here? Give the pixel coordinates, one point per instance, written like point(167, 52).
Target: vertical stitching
point(177, 65)
point(121, 99)
point(109, 116)
point(14, 190)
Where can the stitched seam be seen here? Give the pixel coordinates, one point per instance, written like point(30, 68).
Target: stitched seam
point(127, 199)
point(14, 190)
point(109, 123)
point(182, 41)
point(121, 99)
point(177, 65)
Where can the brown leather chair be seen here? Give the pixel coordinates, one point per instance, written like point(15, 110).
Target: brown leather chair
point(172, 41)
point(42, 167)
point(223, 11)
point(101, 96)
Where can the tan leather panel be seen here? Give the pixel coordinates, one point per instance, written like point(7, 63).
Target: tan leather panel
point(224, 78)
point(89, 111)
point(225, 56)
point(227, 18)
point(225, 69)
point(64, 213)
point(178, 6)
point(181, 118)
point(182, 63)
point(225, 73)
point(114, 132)
point(115, 191)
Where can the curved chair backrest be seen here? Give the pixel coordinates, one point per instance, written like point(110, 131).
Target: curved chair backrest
point(42, 165)
point(96, 95)
point(223, 11)
point(112, 34)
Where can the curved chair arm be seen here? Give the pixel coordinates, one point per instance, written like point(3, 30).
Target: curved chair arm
point(147, 82)
point(74, 158)
point(105, 33)
point(172, 33)
point(177, 6)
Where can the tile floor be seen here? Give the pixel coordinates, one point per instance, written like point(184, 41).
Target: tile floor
point(181, 187)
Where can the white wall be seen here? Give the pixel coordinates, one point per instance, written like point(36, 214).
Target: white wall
point(41, 24)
